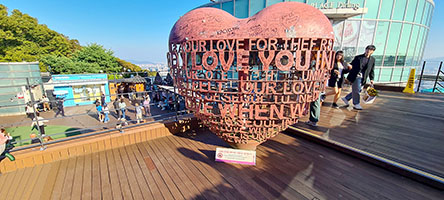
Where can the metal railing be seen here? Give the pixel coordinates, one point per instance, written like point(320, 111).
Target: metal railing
point(431, 77)
point(174, 110)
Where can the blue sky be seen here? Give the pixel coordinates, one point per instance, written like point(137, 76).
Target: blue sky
point(139, 29)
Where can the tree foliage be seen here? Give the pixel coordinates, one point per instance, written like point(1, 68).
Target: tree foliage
point(22, 38)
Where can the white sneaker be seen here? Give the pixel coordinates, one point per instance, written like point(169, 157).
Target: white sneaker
point(345, 101)
point(357, 107)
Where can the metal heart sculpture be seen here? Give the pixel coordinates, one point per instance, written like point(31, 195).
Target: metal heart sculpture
point(249, 79)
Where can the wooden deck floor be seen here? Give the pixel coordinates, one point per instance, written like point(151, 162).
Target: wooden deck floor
point(183, 167)
point(401, 127)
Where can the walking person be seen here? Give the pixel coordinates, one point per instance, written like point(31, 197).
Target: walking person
point(99, 111)
point(106, 113)
point(122, 106)
point(46, 103)
point(40, 124)
point(146, 105)
point(30, 110)
point(102, 99)
point(362, 68)
point(139, 109)
point(336, 80)
point(116, 107)
point(60, 108)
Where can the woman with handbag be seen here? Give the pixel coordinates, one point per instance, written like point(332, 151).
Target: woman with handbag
point(336, 80)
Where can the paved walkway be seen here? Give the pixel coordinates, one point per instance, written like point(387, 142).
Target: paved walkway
point(83, 117)
point(183, 167)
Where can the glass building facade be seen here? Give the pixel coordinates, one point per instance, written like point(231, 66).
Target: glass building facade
point(398, 29)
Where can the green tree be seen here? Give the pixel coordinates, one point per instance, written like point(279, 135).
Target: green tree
point(96, 54)
point(127, 65)
point(22, 38)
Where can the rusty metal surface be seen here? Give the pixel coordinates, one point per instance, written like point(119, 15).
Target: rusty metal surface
point(248, 79)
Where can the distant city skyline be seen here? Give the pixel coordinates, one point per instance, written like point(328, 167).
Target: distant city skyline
point(138, 30)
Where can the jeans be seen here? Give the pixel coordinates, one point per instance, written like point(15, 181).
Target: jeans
point(356, 89)
point(123, 112)
point(106, 118)
point(315, 110)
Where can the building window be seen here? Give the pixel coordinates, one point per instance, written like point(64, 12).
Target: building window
point(404, 42)
point(256, 6)
point(411, 8)
point(350, 39)
point(419, 11)
point(373, 7)
point(366, 35)
point(386, 9)
point(380, 40)
point(392, 44)
point(412, 43)
point(228, 6)
point(241, 8)
point(399, 10)
point(271, 2)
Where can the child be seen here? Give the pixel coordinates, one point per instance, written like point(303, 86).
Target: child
point(106, 112)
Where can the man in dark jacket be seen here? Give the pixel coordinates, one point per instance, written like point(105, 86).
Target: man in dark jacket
point(363, 68)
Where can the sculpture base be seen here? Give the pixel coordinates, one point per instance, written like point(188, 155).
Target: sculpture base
point(251, 145)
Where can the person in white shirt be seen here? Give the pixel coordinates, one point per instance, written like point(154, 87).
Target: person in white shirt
point(41, 123)
point(46, 103)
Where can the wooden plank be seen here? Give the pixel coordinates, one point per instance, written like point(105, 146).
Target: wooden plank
point(113, 176)
point(87, 148)
point(14, 183)
point(165, 176)
point(186, 187)
point(58, 186)
point(47, 157)
point(55, 155)
point(78, 179)
point(87, 177)
point(9, 177)
point(146, 192)
point(219, 186)
point(28, 162)
point(69, 178)
point(107, 142)
point(80, 151)
point(96, 181)
point(123, 179)
point(31, 182)
point(126, 139)
point(101, 145)
point(134, 186)
point(244, 185)
point(72, 151)
point(146, 172)
point(104, 175)
point(42, 180)
point(50, 181)
point(199, 180)
point(155, 173)
point(64, 154)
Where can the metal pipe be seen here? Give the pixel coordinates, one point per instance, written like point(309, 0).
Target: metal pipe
point(42, 147)
point(420, 78)
point(437, 76)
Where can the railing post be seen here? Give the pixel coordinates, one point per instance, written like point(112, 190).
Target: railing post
point(420, 78)
point(42, 146)
point(437, 76)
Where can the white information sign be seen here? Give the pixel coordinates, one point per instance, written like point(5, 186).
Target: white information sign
point(244, 157)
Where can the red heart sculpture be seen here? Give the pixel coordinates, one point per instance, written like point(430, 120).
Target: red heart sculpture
point(249, 79)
